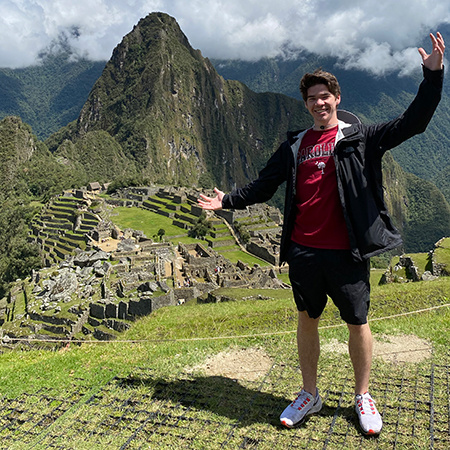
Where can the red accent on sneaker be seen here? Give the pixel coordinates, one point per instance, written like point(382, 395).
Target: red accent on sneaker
point(304, 405)
point(369, 418)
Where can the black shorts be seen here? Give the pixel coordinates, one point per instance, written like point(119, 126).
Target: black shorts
point(316, 273)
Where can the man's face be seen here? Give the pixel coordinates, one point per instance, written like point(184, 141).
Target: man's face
point(322, 105)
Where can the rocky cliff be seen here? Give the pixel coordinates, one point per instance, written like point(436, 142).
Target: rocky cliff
point(17, 145)
point(173, 116)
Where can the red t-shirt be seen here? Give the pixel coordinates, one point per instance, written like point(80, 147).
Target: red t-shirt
point(319, 220)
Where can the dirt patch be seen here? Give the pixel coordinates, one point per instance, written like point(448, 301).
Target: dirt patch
point(109, 245)
point(241, 364)
point(393, 349)
point(402, 348)
point(253, 363)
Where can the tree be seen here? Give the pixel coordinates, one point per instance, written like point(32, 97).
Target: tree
point(17, 256)
point(200, 228)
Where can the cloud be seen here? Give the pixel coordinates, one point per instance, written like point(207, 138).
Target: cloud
point(92, 27)
point(379, 37)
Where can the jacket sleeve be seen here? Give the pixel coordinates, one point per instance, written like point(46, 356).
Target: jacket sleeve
point(264, 187)
point(414, 120)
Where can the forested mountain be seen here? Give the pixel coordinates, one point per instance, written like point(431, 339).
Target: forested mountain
point(175, 119)
point(49, 95)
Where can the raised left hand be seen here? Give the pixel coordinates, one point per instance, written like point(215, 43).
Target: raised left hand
point(434, 60)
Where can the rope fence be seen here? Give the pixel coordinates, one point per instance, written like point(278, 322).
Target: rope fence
point(7, 340)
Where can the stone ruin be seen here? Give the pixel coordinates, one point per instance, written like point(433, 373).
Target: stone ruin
point(264, 237)
point(97, 294)
point(412, 273)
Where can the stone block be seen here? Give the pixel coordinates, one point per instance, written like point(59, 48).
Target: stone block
point(94, 322)
point(122, 312)
point(111, 311)
point(97, 310)
point(142, 307)
point(163, 300)
point(117, 325)
point(103, 335)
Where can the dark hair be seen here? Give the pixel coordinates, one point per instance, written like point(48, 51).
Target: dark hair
point(319, 76)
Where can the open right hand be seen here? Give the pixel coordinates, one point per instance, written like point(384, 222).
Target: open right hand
point(211, 203)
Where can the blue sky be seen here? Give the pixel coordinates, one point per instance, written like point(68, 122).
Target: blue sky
point(378, 36)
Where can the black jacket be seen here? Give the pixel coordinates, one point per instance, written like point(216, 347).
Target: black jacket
point(358, 153)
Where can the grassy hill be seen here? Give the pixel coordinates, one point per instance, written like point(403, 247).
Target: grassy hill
point(161, 385)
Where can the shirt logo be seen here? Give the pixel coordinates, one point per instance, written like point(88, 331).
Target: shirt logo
point(321, 166)
point(315, 151)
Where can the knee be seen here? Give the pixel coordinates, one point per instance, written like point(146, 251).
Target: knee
point(307, 323)
point(359, 330)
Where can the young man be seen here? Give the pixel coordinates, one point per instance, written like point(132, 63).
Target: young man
point(335, 219)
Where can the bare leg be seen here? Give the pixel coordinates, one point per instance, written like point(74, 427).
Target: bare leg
point(360, 349)
point(308, 350)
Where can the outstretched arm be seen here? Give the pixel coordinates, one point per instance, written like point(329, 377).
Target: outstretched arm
point(419, 113)
point(435, 60)
point(211, 203)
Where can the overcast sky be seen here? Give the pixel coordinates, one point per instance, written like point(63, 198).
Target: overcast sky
point(378, 36)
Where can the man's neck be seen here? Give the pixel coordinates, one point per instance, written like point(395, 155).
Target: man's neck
point(323, 127)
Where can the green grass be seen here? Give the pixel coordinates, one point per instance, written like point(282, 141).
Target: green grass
point(186, 240)
point(445, 243)
point(442, 255)
point(153, 371)
point(108, 387)
point(238, 255)
point(222, 239)
point(147, 221)
point(284, 277)
point(244, 316)
point(150, 223)
point(375, 276)
point(420, 260)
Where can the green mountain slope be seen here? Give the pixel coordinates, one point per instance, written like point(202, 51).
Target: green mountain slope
point(428, 215)
point(418, 208)
point(28, 172)
point(17, 145)
point(51, 94)
point(174, 117)
point(48, 95)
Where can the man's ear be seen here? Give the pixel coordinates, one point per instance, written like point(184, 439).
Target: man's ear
point(338, 100)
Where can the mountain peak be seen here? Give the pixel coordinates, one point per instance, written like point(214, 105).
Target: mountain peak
point(157, 31)
point(174, 117)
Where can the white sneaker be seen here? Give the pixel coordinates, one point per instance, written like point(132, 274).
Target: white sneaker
point(304, 405)
point(368, 415)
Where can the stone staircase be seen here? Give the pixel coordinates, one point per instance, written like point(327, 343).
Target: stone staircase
point(61, 227)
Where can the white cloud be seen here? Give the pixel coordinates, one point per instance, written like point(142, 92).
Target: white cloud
point(377, 36)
